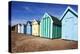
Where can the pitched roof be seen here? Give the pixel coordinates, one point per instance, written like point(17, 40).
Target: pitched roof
point(37, 21)
point(29, 22)
point(19, 24)
point(55, 19)
point(68, 9)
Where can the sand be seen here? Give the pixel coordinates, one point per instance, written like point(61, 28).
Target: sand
point(28, 43)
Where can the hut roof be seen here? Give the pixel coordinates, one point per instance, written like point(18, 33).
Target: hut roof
point(36, 21)
point(29, 22)
point(56, 21)
point(69, 9)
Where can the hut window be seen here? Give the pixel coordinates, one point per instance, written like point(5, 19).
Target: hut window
point(66, 20)
point(69, 17)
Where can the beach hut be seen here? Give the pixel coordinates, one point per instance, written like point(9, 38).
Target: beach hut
point(29, 28)
point(35, 27)
point(22, 28)
point(25, 29)
point(14, 28)
point(50, 27)
point(19, 28)
point(69, 24)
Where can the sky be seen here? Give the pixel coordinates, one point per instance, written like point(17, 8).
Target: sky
point(21, 12)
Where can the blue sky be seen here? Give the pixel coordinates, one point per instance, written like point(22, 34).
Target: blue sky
point(21, 12)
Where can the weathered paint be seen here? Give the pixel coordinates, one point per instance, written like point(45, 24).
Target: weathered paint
point(69, 25)
point(47, 27)
point(35, 28)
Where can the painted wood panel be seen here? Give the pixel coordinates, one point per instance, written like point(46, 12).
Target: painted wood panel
point(19, 28)
point(47, 27)
point(69, 25)
point(29, 28)
point(25, 29)
point(22, 28)
point(35, 28)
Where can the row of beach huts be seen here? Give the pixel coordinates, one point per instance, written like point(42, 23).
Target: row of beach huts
point(51, 27)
